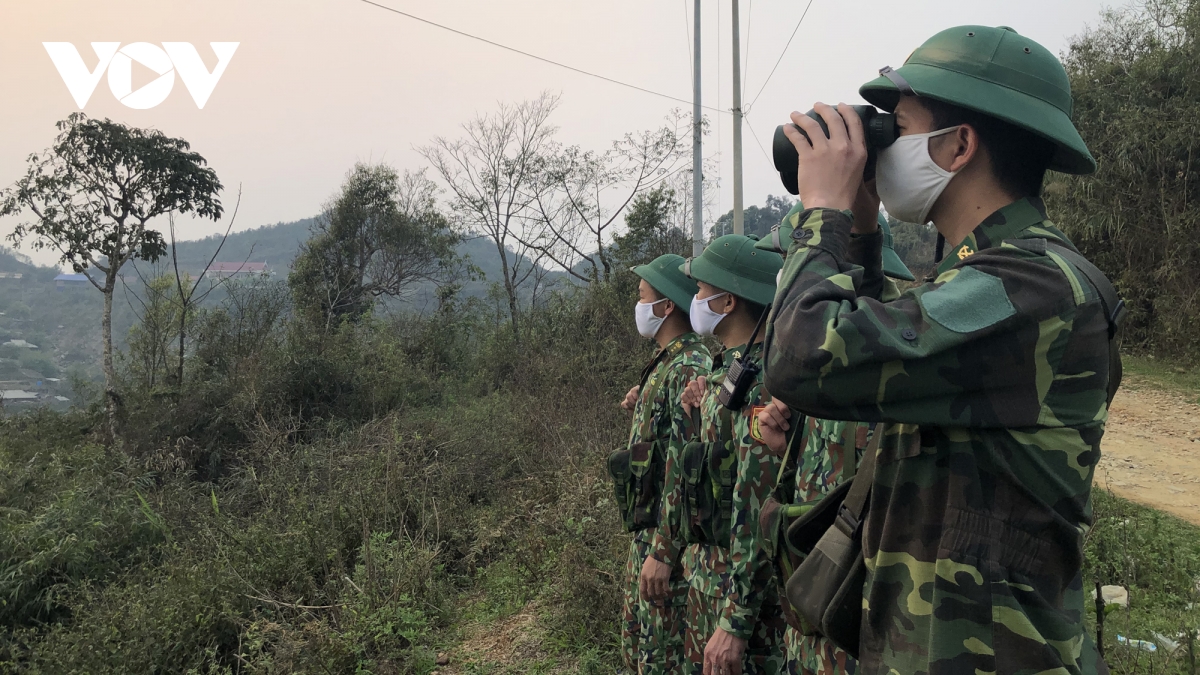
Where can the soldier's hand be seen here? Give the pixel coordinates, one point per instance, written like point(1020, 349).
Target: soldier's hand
point(773, 425)
point(654, 581)
point(631, 398)
point(830, 169)
point(723, 654)
point(693, 394)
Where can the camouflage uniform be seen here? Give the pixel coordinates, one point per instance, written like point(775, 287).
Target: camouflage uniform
point(733, 586)
point(652, 635)
point(993, 381)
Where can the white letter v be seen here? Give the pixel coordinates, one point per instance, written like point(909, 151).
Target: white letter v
point(79, 81)
point(200, 83)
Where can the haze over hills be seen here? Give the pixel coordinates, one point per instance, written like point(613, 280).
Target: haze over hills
point(64, 323)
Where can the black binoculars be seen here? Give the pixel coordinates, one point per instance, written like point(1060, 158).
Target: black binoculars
point(880, 129)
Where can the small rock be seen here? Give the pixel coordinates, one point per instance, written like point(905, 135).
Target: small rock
point(1113, 595)
point(1181, 371)
point(443, 659)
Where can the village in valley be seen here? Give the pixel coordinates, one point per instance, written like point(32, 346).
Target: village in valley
point(45, 355)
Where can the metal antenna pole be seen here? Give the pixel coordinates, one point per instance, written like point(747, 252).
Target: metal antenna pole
point(697, 150)
point(738, 220)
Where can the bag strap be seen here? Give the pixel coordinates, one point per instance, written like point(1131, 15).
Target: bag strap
point(797, 436)
point(1114, 308)
point(850, 513)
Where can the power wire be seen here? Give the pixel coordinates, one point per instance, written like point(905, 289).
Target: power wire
point(750, 126)
point(781, 55)
point(538, 58)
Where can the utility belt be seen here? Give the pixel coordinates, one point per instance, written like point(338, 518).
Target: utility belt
point(637, 473)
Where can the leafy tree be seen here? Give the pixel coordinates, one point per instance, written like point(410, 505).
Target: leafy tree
point(151, 359)
point(755, 219)
point(377, 237)
point(93, 194)
point(1136, 90)
point(916, 245)
point(650, 229)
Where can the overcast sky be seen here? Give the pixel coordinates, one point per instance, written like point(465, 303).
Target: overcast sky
point(316, 85)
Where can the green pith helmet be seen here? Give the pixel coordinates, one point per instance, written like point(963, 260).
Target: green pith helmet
point(996, 72)
point(664, 275)
point(780, 236)
point(893, 266)
point(732, 263)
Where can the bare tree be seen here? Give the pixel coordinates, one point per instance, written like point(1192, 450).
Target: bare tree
point(582, 195)
point(184, 301)
point(492, 173)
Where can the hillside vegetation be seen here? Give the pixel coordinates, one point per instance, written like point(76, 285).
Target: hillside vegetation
point(398, 491)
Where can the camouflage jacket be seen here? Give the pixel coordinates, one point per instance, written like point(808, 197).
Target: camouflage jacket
point(740, 574)
point(992, 378)
point(659, 415)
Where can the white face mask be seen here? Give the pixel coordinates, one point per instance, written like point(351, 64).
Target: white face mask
point(647, 323)
point(909, 182)
point(704, 320)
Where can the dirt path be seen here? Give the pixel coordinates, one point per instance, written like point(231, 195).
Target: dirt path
point(1151, 450)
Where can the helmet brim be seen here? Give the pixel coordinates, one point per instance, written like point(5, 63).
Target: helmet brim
point(1017, 108)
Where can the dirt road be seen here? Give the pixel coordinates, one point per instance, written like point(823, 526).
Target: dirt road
point(1151, 450)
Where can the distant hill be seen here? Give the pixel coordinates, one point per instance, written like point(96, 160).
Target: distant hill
point(275, 245)
point(278, 244)
point(14, 261)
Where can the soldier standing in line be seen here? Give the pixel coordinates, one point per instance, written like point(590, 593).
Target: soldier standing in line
point(652, 632)
point(822, 454)
point(992, 379)
point(734, 622)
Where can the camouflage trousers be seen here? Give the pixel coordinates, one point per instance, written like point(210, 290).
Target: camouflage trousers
point(764, 652)
point(814, 655)
point(652, 634)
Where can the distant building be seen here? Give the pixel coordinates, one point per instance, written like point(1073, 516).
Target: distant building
point(226, 270)
point(71, 280)
point(12, 275)
point(18, 395)
point(20, 343)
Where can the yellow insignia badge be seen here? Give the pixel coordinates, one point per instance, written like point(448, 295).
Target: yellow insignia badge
point(755, 432)
point(965, 252)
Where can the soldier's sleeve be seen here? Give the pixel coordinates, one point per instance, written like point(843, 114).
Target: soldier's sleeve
point(969, 349)
point(750, 570)
point(668, 537)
